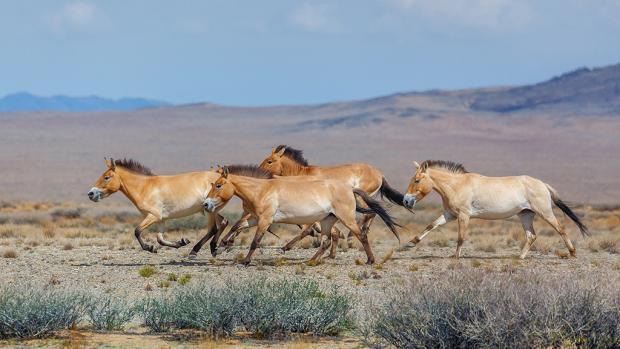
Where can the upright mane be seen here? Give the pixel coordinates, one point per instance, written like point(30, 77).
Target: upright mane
point(249, 171)
point(134, 166)
point(450, 166)
point(293, 154)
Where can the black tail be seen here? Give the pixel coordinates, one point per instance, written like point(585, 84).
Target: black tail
point(390, 193)
point(374, 206)
point(567, 211)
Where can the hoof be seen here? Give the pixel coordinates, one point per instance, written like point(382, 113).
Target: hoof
point(331, 256)
point(192, 255)
point(245, 262)
point(183, 242)
point(370, 262)
point(214, 253)
point(150, 248)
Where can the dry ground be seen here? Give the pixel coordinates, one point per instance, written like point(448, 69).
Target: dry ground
point(92, 247)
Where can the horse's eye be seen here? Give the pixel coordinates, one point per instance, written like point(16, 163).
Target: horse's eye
point(218, 186)
point(417, 181)
point(107, 178)
point(269, 162)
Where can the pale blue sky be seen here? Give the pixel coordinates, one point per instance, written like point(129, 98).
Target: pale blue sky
point(284, 52)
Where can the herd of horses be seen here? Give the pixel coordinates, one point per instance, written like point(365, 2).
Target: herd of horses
point(284, 188)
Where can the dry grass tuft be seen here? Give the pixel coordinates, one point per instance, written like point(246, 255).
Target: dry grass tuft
point(49, 230)
point(67, 246)
point(414, 268)
point(475, 263)
point(388, 256)
point(609, 245)
point(10, 253)
point(146, 271)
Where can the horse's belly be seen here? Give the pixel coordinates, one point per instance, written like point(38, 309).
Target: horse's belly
point(497, 212)
point(300, 216)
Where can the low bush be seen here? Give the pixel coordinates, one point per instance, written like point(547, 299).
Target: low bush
point(262, 307)
point(108, 313)
point(194, 222)
point(476, 309)
point(36, 312)
point(68, 213)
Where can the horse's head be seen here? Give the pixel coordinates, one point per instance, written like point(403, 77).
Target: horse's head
point(273, 162)
point(221, 192)
point(419, 186)
point(108, 183)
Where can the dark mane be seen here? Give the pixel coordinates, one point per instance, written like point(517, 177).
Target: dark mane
point(293, 154)
point(249, 171)
point(453, 167)
point(134, 166)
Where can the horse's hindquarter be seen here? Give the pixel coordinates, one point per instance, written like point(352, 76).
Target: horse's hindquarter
point(358, 175)
point(497, 197)
point(301, 202)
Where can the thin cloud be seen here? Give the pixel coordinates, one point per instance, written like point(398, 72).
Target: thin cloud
point(451, 15)
point(313, 18)
point(77, 15)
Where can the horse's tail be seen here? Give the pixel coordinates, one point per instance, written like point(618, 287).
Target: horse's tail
point(375, 207)
point(567, 211)
point(390, 193)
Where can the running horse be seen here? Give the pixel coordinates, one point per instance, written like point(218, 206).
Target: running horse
point(159, 198)
point(287, 161)
point(468, 195)
point(294, 201)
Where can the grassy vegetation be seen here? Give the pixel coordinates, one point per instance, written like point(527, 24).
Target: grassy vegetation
point(146, 271)
point(264, 308)
point(475, 309)
point(107, 313)
point(35, 312)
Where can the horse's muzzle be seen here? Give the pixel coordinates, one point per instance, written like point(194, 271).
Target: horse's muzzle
point(209, 205)
point(95, 194)
point(409, 201)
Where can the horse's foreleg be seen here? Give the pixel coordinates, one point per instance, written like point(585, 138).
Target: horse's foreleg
point(221, 224)
point(441, 220)
point(212, 229)
point(242, 223)
point(463, 221)
point(147, 222)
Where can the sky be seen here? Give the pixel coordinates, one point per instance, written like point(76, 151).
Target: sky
point(295, 52)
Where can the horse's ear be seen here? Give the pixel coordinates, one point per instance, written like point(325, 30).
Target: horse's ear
point(281, 152)
point(273, 150)
point(110, 163)
point(225, 172)
point(417, 166)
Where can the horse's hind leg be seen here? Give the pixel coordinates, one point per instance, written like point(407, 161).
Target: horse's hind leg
point(242, 223)
point(549, 217)
point(527, 221)
point(164, 242)
point(463, 221)
point(326, 227)
point(351, 224)
point(307, 230)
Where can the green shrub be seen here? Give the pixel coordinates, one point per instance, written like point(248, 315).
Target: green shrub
point(69, 213)
point(107, 313)
point(185, 279)
point(146, 271)
point(34, 312)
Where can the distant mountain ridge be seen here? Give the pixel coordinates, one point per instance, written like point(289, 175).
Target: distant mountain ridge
point(23, 101)
point(595, 90)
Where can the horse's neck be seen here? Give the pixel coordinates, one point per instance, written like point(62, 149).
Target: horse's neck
point(292, 168)
point(443, 183)
point(246, 188)
point(132, 185)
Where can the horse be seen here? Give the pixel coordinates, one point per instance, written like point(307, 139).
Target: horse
point(301, 201)
point(288, 161)
point(159, 198)
point(468, 195)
